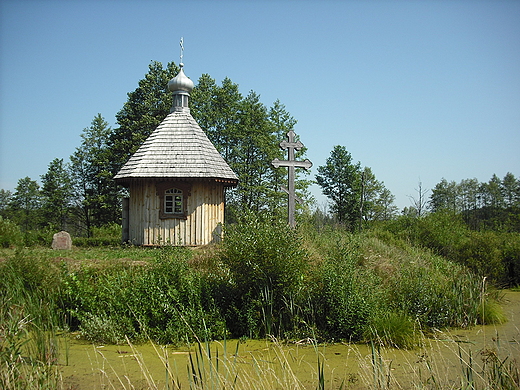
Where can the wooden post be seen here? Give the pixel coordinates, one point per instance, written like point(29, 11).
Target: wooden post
point(125, 220)
point(291, 163)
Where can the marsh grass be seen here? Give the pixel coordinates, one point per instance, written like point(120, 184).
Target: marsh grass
point(397, 330)
point(324, 286)
point(442, 363)
point(28, 354)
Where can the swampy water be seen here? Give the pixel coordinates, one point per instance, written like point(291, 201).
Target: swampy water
point(445, 360)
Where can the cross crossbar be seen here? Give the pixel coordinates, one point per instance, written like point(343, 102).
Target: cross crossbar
point(291, 145)
point(306, 164)
point(296, 198)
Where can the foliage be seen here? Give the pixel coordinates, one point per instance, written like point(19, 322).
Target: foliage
point(103, 236)
point(10, 234)
point(263, 254)
point(56, 195)
point(345, 303)
point(340, 180)
point(5, 199)
point(377, 201)
point(394, 329)
point(247, 134)
point(160, 299)
point(96, 194)
point(145, 108)
point(267, 267)
point(494, 205)
point(491, 254)
point(29, 294)
point(355, 193)
point(263, 279)
point(490, 312)
point(25, 204)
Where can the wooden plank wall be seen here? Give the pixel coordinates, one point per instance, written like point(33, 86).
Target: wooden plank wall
point(202, 226)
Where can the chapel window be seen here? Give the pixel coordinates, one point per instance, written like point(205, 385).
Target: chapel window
point(173, 201)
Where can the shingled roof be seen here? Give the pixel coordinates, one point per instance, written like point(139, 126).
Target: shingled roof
point(178, 148)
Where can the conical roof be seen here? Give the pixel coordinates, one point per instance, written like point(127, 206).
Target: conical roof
point(178, 148)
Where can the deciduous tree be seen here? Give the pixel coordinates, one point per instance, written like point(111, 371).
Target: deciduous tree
point(145, 108)
point(340, 181)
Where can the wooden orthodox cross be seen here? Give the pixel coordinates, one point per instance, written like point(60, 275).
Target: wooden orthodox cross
point(291, 145)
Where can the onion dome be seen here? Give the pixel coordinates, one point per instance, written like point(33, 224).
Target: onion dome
point(181, 86)
point(181, 82)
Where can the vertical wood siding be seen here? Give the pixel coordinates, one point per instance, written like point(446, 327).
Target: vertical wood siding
point(205, 215)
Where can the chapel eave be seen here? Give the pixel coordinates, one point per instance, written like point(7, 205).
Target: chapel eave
point(128, 181)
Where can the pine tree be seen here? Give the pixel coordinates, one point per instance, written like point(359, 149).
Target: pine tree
point(97, 197)
point(56, 195)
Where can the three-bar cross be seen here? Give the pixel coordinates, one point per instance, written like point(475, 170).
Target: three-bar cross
point(291, 145)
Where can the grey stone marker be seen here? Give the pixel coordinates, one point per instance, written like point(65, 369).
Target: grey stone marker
point(61, 240)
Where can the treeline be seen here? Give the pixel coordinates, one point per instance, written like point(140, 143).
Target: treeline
point(493, 205)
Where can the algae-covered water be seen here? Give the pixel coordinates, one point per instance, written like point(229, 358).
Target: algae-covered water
point(445, 360)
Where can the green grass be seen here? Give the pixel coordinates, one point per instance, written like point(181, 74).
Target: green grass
point(264, 280)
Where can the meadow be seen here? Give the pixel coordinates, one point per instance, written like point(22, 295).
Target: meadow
point(265, 281)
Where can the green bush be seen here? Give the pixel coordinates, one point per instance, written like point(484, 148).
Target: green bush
point(344, 304)
point(492, 254)
point(10, 234)
point(511, 258)
point(394, 329)
point(267, 266)
point(162, 299)
point(482, 253)
point(263, 254)
point(109, 235)
point(344, 293)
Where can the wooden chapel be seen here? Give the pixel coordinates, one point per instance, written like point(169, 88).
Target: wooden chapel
point(176, 180)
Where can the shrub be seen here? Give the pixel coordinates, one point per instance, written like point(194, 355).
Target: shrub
point(263, 254)
point(494, 255)
point(10, 234)
point(267, 265)
point(104, 329)
point(345, 293)
point(162, 299)
point(393, 329)
point(345, 306)
point(108, 235)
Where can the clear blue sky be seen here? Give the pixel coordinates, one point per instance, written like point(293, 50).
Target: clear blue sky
point(416, 90)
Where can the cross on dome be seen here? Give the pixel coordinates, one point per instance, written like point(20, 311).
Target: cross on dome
point(181, 86)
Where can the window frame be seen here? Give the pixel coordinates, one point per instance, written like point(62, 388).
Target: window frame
point(173, 198)
point(162, 188)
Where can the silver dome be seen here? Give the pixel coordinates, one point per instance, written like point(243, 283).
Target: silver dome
point(181, 82)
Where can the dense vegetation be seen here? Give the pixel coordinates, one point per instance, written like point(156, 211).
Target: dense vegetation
point(263, 279)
